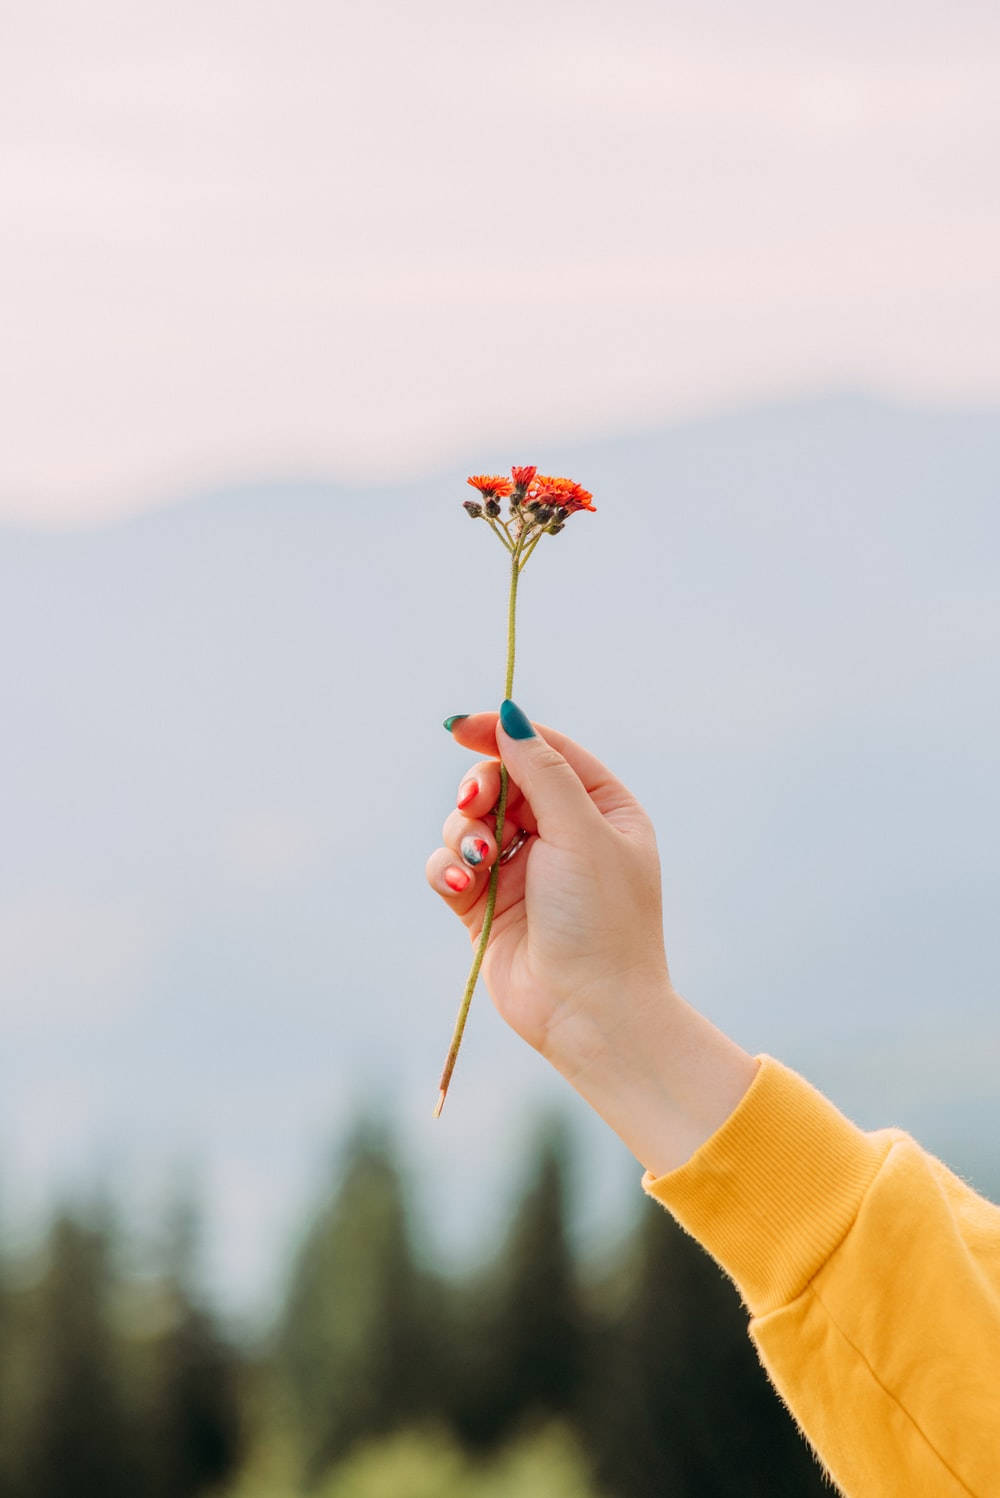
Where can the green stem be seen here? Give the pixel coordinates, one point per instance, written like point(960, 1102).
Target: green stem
point(515, 573)
point(491, 893)
point(497, 531)
point(530, 549)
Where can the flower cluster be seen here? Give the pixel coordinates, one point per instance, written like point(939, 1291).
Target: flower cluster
point(538, 501)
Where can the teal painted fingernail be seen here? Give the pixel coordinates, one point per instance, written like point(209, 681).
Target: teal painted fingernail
point(449, 723)
point(513, 721)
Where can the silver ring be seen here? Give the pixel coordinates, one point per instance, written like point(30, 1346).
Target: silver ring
point(517, 843)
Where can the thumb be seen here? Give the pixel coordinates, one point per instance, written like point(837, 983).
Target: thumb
point(552, 787)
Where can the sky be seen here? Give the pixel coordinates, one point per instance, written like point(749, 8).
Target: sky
point(248, 247)
point(350, 239)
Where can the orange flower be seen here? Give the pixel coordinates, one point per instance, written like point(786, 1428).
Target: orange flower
point(490, 484)
point(523, 476)
point(559, 491)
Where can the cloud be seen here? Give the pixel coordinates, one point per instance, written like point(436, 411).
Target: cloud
point(355, 244)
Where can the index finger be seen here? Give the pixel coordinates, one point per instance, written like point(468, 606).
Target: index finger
point(486, 778)
point(478, 732)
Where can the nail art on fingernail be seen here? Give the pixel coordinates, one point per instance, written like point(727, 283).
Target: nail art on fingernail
point(449, 723)
point(469, 793)
point(473, 850)
point(457, 879)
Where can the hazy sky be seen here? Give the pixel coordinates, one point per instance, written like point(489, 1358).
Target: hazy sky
point(355, 237)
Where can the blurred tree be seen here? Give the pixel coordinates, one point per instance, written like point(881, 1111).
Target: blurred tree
point(357, 1326)
point(76, 1436)
point(9, 1358)
point(196, 1434)
point(518, 1332)
point(680, 1403)
point(545, 1330)
point(197, 1430)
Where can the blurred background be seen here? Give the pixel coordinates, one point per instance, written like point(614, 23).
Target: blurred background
point(275, 279)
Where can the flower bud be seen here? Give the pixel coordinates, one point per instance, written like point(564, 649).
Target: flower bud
point(492, 508)
point(561, 513)
point(472, 508)
point(543, 514)
point(555, 528)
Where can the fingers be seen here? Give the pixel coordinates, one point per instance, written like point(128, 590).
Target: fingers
point(478, 731)
point(557, 795)
point(479, 788)
point(471, 840)
point(460, 871)
point(460, 885)
point(474, 840)
point(479, 792)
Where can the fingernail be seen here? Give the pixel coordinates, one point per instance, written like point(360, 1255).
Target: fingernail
point(473, 850)
point(457, 879)
point(449, 723)
point(513, 721)
point(470, 793)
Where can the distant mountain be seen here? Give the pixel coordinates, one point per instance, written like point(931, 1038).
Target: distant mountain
point(223, 769)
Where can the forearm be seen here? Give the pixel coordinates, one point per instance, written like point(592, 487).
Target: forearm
point(660, 1074)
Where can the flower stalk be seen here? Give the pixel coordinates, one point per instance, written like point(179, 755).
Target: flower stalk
point(530, 493)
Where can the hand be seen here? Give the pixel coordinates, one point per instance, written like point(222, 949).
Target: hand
point(578, 922)
point(575, 961)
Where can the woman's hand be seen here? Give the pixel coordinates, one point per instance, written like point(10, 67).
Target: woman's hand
point(578, 919)
point(575, 961)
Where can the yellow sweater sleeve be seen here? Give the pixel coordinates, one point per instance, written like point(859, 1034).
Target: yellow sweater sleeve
point(872, 1277)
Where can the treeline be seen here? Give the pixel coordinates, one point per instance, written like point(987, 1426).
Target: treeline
point(113, 1384)
point(647, 1362)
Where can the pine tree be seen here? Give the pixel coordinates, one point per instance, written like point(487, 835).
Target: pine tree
point(544, 1333)
point(77, 1434)
point(9, 1353)
point(518, 1340)
point(682, 1405)
point(196, 1434)
point(354, 1336)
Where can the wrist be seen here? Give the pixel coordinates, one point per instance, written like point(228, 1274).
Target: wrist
point(658, 1072)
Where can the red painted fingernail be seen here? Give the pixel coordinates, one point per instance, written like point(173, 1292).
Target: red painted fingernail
point(457, 879)
point(469, 794)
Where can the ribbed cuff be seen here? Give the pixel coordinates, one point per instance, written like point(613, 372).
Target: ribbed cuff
point(775, 1189)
